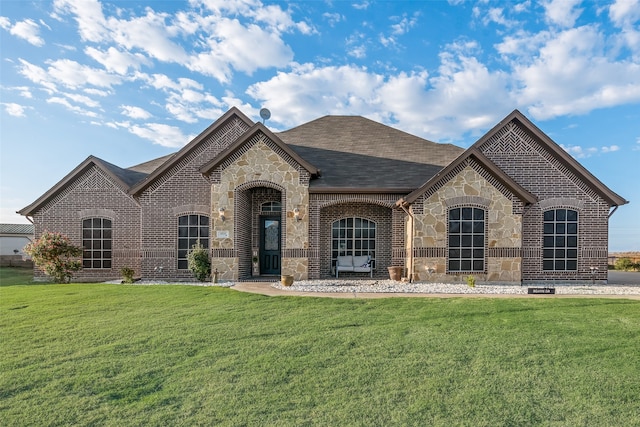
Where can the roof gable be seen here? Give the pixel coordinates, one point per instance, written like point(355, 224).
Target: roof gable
point(490, 167)
point(255, 129)
point(233, 113)
point(557, 152)
point(123, 178)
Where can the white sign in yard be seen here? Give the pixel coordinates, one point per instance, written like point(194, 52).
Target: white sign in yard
point(222, 234)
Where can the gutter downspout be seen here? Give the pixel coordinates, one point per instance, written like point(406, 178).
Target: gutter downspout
point(615, 208)
point(413, 226)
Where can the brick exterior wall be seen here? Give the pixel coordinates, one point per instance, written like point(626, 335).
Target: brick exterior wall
point(181, 191)
point(95, 194)
point(324, 209)
point(528, 163)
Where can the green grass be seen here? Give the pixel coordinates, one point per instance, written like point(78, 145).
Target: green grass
point(118, 355)
point(10, 276)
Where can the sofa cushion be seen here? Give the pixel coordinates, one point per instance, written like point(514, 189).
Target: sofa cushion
point(361, 261)
point(345, 261)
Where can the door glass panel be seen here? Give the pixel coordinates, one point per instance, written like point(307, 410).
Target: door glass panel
point(271, 242)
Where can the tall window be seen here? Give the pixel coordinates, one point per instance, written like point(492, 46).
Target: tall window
point(560, 240)
point(191, 228)
point(96, 243)
point(466, 239)
point(353, 236)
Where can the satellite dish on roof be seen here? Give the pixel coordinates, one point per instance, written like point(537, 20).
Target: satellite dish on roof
point(265, 114)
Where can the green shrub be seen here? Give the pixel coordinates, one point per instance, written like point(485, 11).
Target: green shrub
point(54, 253)
point(127, 274)
point(624, 264)
point(198, 262)
point(471, 281)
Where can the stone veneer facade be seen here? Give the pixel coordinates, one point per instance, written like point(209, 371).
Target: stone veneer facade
point(503, 228)
point(259, 164)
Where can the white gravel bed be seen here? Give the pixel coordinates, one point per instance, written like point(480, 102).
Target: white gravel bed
point(390, 286)
point(224, 284)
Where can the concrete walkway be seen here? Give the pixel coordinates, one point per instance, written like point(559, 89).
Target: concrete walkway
point(264, 288)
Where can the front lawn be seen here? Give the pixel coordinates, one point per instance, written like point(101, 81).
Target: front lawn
point(96, 354)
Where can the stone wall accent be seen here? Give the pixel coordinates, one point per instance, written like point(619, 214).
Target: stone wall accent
point(259, 164)
point(503, 228)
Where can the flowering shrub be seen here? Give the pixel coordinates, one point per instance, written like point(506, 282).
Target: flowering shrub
point(53, 252)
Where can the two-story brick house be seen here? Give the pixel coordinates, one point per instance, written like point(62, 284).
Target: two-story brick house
point(514, 207)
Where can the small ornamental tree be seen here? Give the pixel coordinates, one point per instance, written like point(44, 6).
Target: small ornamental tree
point(54, 253)
point(198, 262)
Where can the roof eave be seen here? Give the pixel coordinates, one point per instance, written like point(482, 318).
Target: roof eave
point(492, 168)
point(358, 190)
point(560, 154)
point(222, 120)
point(64, 182)
point(207, 168)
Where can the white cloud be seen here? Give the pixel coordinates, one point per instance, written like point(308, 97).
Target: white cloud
point(92, 25)
point(548, 81)
point(13, 109)
point(82, 99)
point(216, 44)
point(404, 24)
point(135, 112)
point(610, 149)
point(624, 13)
point(243, 48)
point(333, 18)
point(37, 75)
point(464, 96)
point(580, 152)
point(363, 5)
point(28, 30)
point(117, 61)
point(562, 12)
point(75, 75)
point(5, 22)
point(161, 134)
point(74, 108)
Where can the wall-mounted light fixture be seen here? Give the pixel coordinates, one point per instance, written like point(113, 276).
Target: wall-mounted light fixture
point(221, 214)
point(296, 214)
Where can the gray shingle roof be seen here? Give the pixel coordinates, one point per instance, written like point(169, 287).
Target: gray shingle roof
point(128, 176)
point(151, 165)
point(355, 152)
point(17, 229)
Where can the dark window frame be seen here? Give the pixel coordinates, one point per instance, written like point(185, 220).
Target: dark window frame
point(191, 228)
point(560, 228)
point(466, 239)
point(97, 243)
point(349, 236)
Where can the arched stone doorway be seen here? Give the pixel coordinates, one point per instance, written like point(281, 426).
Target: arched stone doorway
point(260, 229)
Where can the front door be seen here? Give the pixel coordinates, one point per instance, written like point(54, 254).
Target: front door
point(270, 245)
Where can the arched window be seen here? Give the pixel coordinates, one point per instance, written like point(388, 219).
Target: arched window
point(355, 237)
point(191, 228)
point(96, 243)
point(560, 240)
point(466, 239)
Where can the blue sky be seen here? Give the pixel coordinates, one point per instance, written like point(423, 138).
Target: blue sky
point(131, 81)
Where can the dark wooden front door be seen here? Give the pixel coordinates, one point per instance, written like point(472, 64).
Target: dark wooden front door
point(270, 245)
